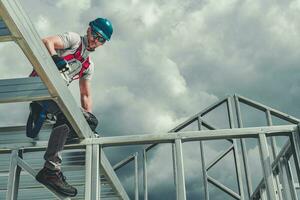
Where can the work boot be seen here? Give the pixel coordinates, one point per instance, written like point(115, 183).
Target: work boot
point(57, 181)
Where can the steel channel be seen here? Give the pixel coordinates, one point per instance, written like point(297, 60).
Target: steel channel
point(236, 153)
point(274, 151)
point(222, 155)
point(203, 165)
point(224, 188)
point(88, 172)
point(123, 162)
point(95, 179)
point(175, 168)
point(13, 176)
point(285, 175)
point(145, 175)
point(244, 148)
point(291, 180)
point(181, 193)
point(136, 176)
point(294, 138)
point(266, 164)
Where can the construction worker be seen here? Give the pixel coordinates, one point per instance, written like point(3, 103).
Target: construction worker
point(70, 52)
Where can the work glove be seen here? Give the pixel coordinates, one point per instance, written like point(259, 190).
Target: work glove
point(60, 63)
point(91, 120)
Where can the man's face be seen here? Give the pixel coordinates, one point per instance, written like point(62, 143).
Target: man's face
point(94, 39)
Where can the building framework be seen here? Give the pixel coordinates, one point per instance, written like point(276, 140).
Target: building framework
point(85, 160)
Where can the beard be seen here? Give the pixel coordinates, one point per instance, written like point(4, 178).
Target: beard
point(89, 48)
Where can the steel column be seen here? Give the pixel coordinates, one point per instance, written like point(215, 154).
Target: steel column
point(244, 148)
point(291, 180)
point(274, 151)
point(95, 179)
point(203, 165)
point(295, 142)
point(289, 192)
point(145, 175)
point(263, 194)
point(181, 193)
point(88, 172)
point(175, 167)
point(266, 164)
point(136, 176)
point(14, 176)
point(235, 151)
point(273, 140)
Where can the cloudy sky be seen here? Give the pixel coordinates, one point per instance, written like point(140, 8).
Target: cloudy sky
point(169, 59)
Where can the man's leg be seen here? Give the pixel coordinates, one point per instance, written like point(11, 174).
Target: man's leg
point(51, 174)
point(56, 143)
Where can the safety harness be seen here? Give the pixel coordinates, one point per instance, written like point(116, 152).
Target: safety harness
point(78, 55)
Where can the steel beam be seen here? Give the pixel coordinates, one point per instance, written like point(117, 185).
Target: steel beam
point(188, 136)
point(224, 188)
point(263, 108)
point(112, 177)
point(23, 89)
point(218, 158)
point(123, 162)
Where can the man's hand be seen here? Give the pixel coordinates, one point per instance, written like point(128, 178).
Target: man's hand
point(60, 63)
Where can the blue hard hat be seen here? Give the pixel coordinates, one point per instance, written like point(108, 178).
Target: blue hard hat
point(102, 26)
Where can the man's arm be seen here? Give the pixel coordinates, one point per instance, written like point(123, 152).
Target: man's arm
point(85, 94)
point(52, 43)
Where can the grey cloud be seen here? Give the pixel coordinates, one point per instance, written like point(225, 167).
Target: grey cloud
point(169, 59)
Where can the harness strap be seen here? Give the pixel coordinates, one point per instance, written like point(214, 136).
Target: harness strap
point(33, 126)
point(85, 63)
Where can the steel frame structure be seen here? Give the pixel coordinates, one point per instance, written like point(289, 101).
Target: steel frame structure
point(278, 181)
point(266, 188)
point(280, 178)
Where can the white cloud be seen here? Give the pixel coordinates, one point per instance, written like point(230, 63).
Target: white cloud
point(80, 5)
point(151, 14)
point(43, 25)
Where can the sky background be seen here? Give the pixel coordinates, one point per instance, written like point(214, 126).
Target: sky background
point(169, 59)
